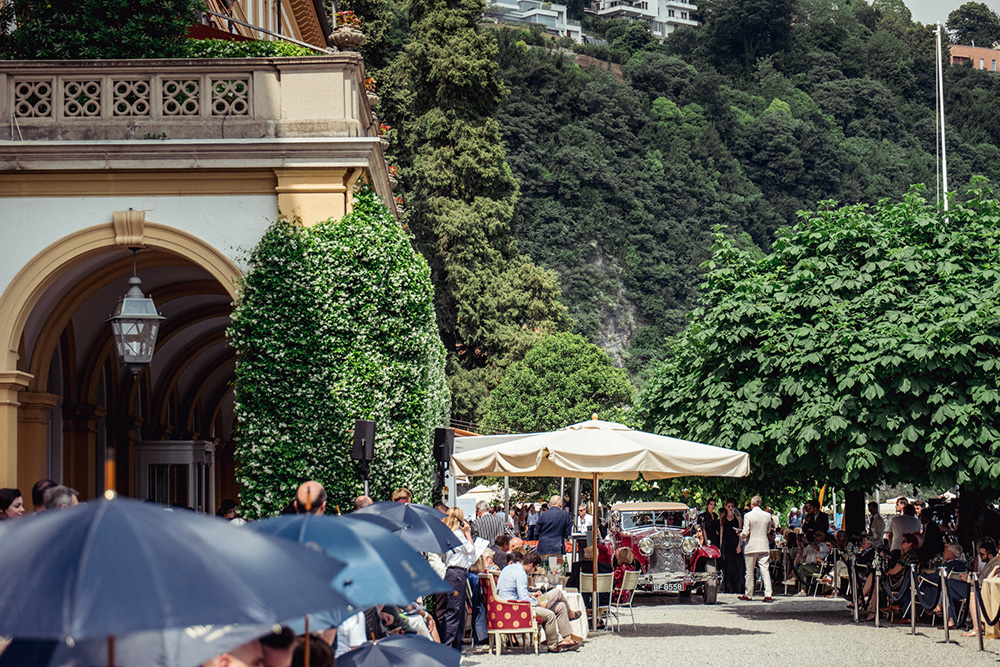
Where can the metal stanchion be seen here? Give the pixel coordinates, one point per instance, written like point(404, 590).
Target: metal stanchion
point(943, 575)
point(975, 584)
point(913, 599)
point(854, 587)
point(877, 590)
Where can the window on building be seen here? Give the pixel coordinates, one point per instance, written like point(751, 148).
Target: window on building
point(982, 63)
point(684, 15)
point(994, 65)
point(670, 13)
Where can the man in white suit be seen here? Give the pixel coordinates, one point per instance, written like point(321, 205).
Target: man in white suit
point(756, 525)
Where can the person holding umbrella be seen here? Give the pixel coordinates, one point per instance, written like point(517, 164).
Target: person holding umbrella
point(458, 561)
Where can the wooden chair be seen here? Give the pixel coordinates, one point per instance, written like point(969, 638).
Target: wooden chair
point(507, 618)
point(605, 583)
point(629, 583)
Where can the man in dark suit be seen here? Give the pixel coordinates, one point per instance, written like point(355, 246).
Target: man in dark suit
point(554, 528)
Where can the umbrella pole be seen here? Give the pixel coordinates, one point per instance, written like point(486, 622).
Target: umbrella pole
point(111, 651)
point(306, 652)
point(593, 596)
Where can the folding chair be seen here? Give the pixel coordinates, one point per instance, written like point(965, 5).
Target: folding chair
point(605, 583)
point(629, 583)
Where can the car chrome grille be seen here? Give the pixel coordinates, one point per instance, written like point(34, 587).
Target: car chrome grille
point(667, 555)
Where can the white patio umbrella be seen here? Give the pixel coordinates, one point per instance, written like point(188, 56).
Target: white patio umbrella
point(599, 450)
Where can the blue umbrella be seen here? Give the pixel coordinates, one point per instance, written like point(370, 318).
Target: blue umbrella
point(121, 566)
point(409, 650)
point(380, 567)
point(419, 526)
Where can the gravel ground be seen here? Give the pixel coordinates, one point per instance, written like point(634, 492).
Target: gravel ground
point(789, 631)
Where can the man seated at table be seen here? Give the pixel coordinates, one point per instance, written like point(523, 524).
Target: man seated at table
point(501, 547)
point(813, 555)
point(929, 586)
point(585, 568)
point(551, 607)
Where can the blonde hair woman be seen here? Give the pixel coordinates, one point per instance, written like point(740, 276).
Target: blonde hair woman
point(458, 562)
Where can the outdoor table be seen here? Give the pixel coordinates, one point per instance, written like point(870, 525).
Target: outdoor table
point(576, 604)
point(990, 589)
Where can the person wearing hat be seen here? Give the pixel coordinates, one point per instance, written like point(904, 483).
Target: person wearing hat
point(228, 512)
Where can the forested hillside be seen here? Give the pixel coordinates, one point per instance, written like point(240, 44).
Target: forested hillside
point(513, 158)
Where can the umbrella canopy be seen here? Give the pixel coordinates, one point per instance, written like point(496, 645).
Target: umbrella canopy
point(380, 567)
point(409, 650)
point(607, 449)
point(121, 566)
point(155, 648)
point(419, 526)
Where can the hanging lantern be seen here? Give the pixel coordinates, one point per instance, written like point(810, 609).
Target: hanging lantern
point(135, 325)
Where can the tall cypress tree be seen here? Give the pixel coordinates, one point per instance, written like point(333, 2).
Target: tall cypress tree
point(443, 95)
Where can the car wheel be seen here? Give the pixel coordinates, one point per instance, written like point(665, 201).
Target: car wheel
point(711, 588)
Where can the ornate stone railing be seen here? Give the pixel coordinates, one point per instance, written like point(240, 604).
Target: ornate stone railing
point(184, 99)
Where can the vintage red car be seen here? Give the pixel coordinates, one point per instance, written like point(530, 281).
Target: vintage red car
point(663, 538)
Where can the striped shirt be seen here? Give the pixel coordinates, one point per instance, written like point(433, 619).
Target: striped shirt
point(490, 526)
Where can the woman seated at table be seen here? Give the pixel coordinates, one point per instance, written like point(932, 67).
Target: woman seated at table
point(626, 563)
point(898, 571)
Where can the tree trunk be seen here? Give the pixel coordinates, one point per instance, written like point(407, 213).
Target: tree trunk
point(971, 513)
point(854, 512)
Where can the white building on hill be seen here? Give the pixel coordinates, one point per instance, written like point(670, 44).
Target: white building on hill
point(663, 16)
point(527, 12)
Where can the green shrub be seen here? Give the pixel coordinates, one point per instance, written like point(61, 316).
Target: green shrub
point(95, 29)
point(223, 48)
point(336, 323)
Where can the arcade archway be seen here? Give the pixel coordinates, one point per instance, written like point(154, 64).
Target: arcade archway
point(65, 400)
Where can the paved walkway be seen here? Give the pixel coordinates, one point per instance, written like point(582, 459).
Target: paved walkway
point(789, 631)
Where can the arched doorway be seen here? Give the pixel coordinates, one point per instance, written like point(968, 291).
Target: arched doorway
point(64, 399)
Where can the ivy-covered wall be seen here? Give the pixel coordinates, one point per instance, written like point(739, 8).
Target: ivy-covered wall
point(336, 323)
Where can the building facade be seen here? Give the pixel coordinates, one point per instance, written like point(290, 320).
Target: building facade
point(189, 162)
point(528, 12)
point(663, 16)
point(978, 57)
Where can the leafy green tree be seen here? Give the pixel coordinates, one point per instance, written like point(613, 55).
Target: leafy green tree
point(95, 29)
point(974, 23)
point(863, 349)
point(744, 30)
point(460, 193)
point(335, 323)
point(564, 379)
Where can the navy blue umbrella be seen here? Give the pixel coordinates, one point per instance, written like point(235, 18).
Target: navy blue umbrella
point(395, 650)
point(380, 567)
point(121, 566)
point(419, 526)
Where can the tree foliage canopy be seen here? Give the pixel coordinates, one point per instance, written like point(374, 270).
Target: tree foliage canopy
point(865, 347)
point(974, 23)
point(562, 380)
point(95, 29)
point(335, 323)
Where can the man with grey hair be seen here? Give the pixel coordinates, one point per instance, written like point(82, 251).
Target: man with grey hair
point(929, 586)
point(756, 525)
point(488, 526)
point(554, 527)
point(60, 497)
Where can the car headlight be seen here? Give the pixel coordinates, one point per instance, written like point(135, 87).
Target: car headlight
point(689, 545)
point(646, 546)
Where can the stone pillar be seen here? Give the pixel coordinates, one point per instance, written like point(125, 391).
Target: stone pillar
point(80, 448)
point(312, 195)
point(33, 436)
point(12, 383)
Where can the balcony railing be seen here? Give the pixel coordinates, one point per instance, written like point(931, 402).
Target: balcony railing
point(184, 99)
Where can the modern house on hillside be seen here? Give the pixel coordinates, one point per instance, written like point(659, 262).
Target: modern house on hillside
point(527, 12)
point(186, 162)
point(663, 16)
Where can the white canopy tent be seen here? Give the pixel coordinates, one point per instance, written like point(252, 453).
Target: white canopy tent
point(595, 449)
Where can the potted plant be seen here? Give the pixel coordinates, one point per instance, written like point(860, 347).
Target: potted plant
point(347, 35)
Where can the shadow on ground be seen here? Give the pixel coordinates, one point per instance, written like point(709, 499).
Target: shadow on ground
point(684, 630)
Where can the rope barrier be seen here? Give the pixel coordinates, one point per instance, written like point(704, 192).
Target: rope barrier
point(983, 615)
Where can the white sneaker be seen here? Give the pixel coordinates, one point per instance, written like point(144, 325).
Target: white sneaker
point(802, 594)
point(789, 582)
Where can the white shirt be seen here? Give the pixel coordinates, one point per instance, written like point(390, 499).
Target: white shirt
point(814, 554)
point(584, 523)
point(461, 556)
point(350, 634)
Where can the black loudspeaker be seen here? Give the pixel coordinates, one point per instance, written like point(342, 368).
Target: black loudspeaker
point(364, 440)
point(444, 444)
